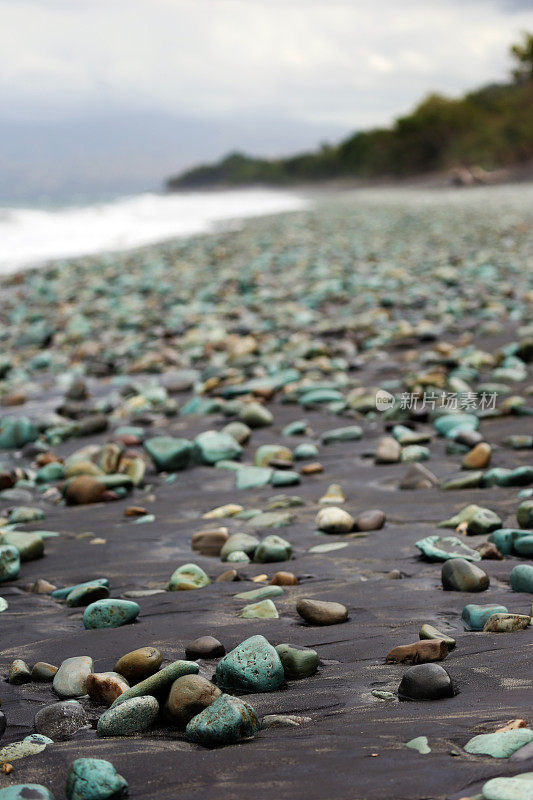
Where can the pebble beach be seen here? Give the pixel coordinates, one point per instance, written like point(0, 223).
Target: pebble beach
point(266, 508)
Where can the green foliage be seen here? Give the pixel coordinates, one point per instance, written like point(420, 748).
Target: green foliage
point(490, 127)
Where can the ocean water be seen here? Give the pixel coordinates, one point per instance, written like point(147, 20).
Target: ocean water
point(31, 236)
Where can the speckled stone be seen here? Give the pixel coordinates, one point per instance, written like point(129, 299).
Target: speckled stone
point(506, 623)
point(139, 664)
point(19, 672)
point(24, 791)
point(87, 594)
point(132, 716)
point(70, 679)
point(253, 666)
point(475, 617)
point(110, 613)
point(61, 720)
point(226, 721)
point(94, 779)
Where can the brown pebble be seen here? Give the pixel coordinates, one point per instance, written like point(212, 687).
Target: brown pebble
point(85, 489)
point(228, 575)
point(388, 451)
point(139, 664)
point(284, 579)
point(312, 469)
point(209, 543)
point(205, 647)
point(421, 652)
point(105, 687)
point(7, 768)
point(41, 586)
point(189, 695)
point(371, 520)
point(489, 551)
point(478, 457)
point(14, 399)
point(321, 612)
point(512, 725)
point(135, 511)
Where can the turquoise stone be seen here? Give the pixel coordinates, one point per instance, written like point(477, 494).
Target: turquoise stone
point(406, 436)
point(297, 664)
point(285, 477)
point(50, 472)
point(94, 779)
point(319, 396)
point(132, 716)
point(523, 545)
point(239, 542)
point(305, 450)
point(522, 578)
point(504, 539)
point(84, 595)
point(268, 452)
point(520, 787)
point(110, 613)
point(189, 576)
point(348, 434)
point(441, 548)
point(62, 594)
point(263, 593)
point(25, 514)
point(23, 791)
point(225, 721)
point(253, 666)
point(475, 616)
point(15, 432)
point(451, 423)
point(264, 609)
point(524, 515)
point(160, 682)
point(297, 428)
point(420, 743)
point(29, 545)
point(212, 446)
point(168, 453)
point(415, 452)
point(252, 477)
point(501, 744)
point(9, 562)
point(272, 549)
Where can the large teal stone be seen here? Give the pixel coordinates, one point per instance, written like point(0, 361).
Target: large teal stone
point(94, 779)
point(29, 545)
point(501, 744)
point(523, 545)
point(504, 539)
point(23, 791)
point(15, 432)
point(475, 616)
point(9, 562)
point(350, 433)
point(253, 666)
point(522, 578)
point(520, 787)
point(62, 594)
point(131, 716)
point(160, 682)
point(225, 721)
point(451, 423)
point(285, 477)
point(273, 549)
point(110, 613)
point(189, 576)
point(264, 609)
point(212, 446)
point(524, 515)
point(483, 521)
point(168, 453)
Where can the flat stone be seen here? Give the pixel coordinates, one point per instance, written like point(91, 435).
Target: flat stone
point(517, 788)
point(204, 647)
point(110, 613)
point(321, 612)
point(350, 433)
point(23, 791)
point(462, 480)
point(189, 696)
point(421, 652)
point(265, 609)
point(506, 623)
point(252, 477)
point(71, 677)
point(420, 743)
point(226, 721)
point(443, 548)
point(263, 593)
point(134, 715)
point(210, 447)
point(499, 745)
point(105, 687)
point(459, 575)
point(60, 721)
point(29, 545)
point(139, 664)
point(87, 594)
point(253, 666)
point(62, 594)
point(94, 779)
point(426, 682)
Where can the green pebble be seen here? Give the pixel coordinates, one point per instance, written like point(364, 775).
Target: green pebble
point(94, 779)
point(22, 791)
point(189, 576)
point(9, 562)
point(159, 683)
point(265, 609)
point(263, 593)
point(132, 716)
point(297, 664)
point(168, 453)
point(350, 433)
point(226, 721)
point(499, 745)
point(273, 549)
point(210, 447)
point(29, 545)
point(521, 578)
point(253, 666)
point(475, 616)
point(110, 613)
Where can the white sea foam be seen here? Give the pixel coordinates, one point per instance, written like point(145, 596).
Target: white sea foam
point(29, 236)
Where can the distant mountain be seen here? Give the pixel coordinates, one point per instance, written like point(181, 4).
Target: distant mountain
point(110, 153)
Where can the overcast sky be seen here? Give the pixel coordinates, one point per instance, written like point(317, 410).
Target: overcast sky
point(352, 63)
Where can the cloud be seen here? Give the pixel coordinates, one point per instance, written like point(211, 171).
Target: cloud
point(345, 62)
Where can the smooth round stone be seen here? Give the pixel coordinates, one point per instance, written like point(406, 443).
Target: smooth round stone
point(517, 788)
point(297, 664)
point(429, 632)
point(210, 447)
point(272, 549)
point(521, 578)
point(238, 557)
point(523, 546)
point(255, 415)
point(105, 687)
point(505, 538)
point(19, 672)
point(83, 490)
point(189, 576)
point(371, 520)
point(265, 609)
point(271, 452)
point(87, 594)
point(239, 542)
point(132, 716)
point(70, 679)
point(426, 682)
point(94, 779)
point(225, 721)
point(24, 791)
point(287, 477)
point(524, 515)
point(321, 612)
point(305, 450)
point(167, 453)
point(479, 457)
point(284, 579)
point(350, 433)
point(500, 744)
point(15, 432)
point(29, 545)
point(189, 696)
point(159, 683)
point(475, 617)
point(334, 520)
point(415, 452)
point(60, 721)
point(110, 613)
point(9, 562)
point(388, 451)
point(43, 672)
point(452, 423)
point(253, 666)
point(459, 575)
point(506, 623)
point(239, 431)
point(139, 664)
point(204, 647)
